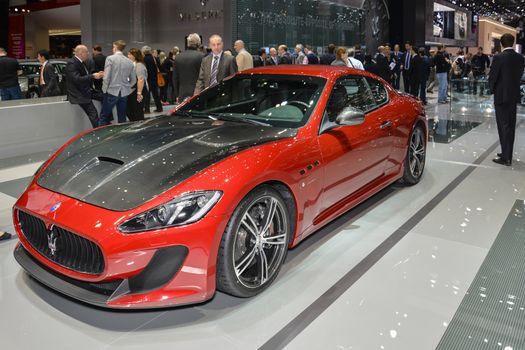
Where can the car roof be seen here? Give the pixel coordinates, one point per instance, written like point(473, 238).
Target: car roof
point(34, 61)
point(316, 70)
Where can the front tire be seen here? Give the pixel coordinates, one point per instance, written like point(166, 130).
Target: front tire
point(254, 244)
point(416, 156)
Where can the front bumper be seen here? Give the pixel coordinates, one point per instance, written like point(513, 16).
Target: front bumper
point(161, 268)
point(166, 263)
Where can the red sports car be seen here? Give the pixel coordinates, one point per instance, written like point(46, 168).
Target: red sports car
point(164, 212)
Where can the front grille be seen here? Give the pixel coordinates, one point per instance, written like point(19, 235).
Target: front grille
point(61, 246)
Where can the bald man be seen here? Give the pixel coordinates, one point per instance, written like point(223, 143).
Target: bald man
point(80, 83)
point(243, 58)
point(216, 66)
point(284, 55)
point(273, 59)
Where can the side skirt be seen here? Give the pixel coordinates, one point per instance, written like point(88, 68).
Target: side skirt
point(348, 203)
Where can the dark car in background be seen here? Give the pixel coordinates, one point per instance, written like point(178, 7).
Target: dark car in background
point(31, 75)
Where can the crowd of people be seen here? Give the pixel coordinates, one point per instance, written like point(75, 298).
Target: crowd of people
point(148, 77)
point(128, 82)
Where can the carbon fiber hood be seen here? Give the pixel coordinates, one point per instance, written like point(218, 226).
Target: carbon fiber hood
point(121, 167)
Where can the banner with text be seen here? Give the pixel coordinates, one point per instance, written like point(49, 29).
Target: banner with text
point(16, 40)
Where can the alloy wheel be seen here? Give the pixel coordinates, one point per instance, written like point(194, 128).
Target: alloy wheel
point(261, 242)
point(417, 153)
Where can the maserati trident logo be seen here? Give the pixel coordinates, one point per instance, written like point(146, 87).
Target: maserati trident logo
point(55, 207)
point(52, 242)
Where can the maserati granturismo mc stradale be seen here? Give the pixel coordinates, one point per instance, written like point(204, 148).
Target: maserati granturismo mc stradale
point(166, 211)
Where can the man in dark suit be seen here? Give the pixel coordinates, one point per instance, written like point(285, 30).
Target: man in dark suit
point(359, 54)
point(396, 72)
point(415, 72)
point(216, 66)
point(99, 60)
point(311, 56)
point(504, 81)
point(186, 68)
point(406, 60)
point(382, 65)
point(48, 78)
point(370, 65)
point(259, 60)
point(425, 73)
point(80, 83)
point(152, 64)
point(327, 58)
point(284, 55)
point(273, 59)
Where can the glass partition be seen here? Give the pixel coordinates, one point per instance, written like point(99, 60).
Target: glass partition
point(263, 23)
point(469, 96)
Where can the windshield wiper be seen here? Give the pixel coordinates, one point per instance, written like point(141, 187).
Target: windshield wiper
point(219, 116)
point(190, 114)
point(233, 118)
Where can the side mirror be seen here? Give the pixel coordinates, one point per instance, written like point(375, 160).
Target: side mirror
point(350, 116)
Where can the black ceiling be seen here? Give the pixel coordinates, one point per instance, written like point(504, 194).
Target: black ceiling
point(505, 10)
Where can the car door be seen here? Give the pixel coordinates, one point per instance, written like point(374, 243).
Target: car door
point(355, 155)
point(387, 118)
point(60, 68)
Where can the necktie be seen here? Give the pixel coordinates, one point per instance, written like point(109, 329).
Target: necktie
point(41, 75)
point(214, 70)
point(407, 63)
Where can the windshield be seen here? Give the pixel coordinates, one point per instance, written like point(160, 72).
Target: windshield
point(285, 101)
point(30, 69)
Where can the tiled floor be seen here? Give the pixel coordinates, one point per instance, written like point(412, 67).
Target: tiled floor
point(404, 300)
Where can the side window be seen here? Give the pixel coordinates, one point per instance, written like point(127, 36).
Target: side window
point(358, 93)
point(379, 92)
point(30, 69)
point(350, 91)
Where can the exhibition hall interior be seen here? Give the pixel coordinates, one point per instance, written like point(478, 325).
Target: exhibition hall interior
point(262, 174)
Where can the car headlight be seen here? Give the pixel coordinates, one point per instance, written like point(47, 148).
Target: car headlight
point(182, 210)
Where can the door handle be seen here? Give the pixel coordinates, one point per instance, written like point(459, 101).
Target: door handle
point(386, 124)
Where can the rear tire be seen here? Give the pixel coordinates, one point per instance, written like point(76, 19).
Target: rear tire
point(254, 244)
point(416, 156)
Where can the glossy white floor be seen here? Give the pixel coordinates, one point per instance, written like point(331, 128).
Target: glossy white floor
point(404, 301)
